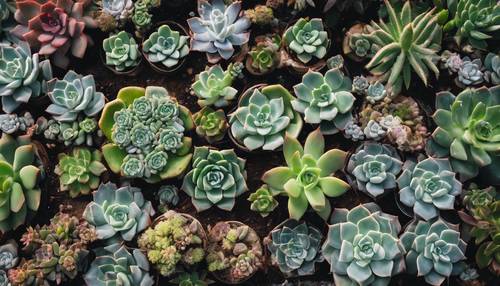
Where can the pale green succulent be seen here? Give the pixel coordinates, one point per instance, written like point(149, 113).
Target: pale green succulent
point(166, 46)
point(262, 201)
point(213, 86)
point(307, 39)
point(264, 57)
point(122, 51)
point(211, 124)
point(82, 131)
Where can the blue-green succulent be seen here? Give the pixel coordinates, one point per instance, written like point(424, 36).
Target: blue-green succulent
point(307, 39)
point(213, 86)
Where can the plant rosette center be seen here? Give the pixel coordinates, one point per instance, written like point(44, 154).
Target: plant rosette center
point(482, 130)
point(215, 181)
point(429, 187)
point(295, 248)
point(117, 216)
point(366, 249)
point(323, 96)
point(309, 177)
point(51, 22)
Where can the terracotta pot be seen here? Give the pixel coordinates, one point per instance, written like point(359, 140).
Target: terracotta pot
point(357, 28)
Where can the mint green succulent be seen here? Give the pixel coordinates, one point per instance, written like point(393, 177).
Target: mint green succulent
point(492, 66)
point(122, 51)
point(433, 250)
point(326, 100)
point(307, 39)
point(166, 46)
point(263, 117)
point(213, 86)
point(263, 201)
point(362, 246)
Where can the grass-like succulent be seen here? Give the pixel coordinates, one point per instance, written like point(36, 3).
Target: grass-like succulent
point(211, 124)
point(213, 86)
point(263, 117)
point(362, 246)
point(308, 177)
point(166, 46)
point(307, 39)
point(122, 51)
point(263, 201)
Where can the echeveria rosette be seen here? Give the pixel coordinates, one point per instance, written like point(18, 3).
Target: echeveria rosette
point(326, 100)
point(428, 186)
point(118, 213)
point(120, 10)
point(263, 117)
point(295, 247)
point(114, 264)
point(362, 246)
point(216, 179)
point(219, 29)
point(211, 124)
point(374, 167)
point(433, 250)
point(73, 95)
point(263, 201)
point(468, 130)
point(307, 39)
point(308, 177)
point(8, 255)
point(492, 65)
point(166, 46)
point(213, 86)
point(122, 51)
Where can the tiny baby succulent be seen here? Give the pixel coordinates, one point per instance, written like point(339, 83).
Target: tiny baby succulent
point(451, 61)
point(191, 279)
point(115, 265)
point(264, 57)
point(73, 95)
point(353, 131)
point(433, 250)
point(428, 186)
point(356, 45)
point(375, 167)
point(23, 75)
point(374, 130)
point(176, 240)
point(360, 84)
point(362, 246)
point(295, 247)
point(141, 18)
point(211, 124)
point(307, 39)
point(263, 201)
point(470, 73)
point(216, 179)
point(219, 29)
point(308, 177)
point(118, 213)
point(12, 123)
point(79, 172)
point(122, 52)
point(492, 66)
point(375, 92)
point(263, 117)
point(83, 131)
point(213, 86)
point(166, 46)
point(8, 255)
point(167, 197)
point(335, 62)
point(325, 99)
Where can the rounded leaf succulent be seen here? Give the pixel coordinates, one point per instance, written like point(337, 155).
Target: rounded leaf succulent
point(213, 86)
point(264, 57)
point(167, 196)
point(210, 124)
point(375, 92)
point(122, 51)
point(492, 66)
point(307, 39)
point(470, 73)
point(8, 255)
point(166, 46)
point(120, 10)
point(373, 130)
point(263, 201)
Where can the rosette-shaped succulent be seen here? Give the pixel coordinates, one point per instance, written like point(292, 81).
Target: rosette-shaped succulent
point(219, 28)
point(375, 167)
point(8, 255)
point(114, 264)
point(122, 52)
point(308, 177)
point(166, 46)
point(492, 66)
point(217, 178)
point(295, 247)
point(120, 10)
point(118, 213)
point(141, 18)
point(22, 75)
point(20, 173)
point(263, 201)
point(428, 186)
point(467, 132)
point(362, 246)
point(264, 57)
point(213, 86)
point(73, 95)
point(307, 39)
point(353, 131)
point(470, 73)
point(11, 123)
point(326, 100)
point(263, 117)
point(55, 27)
point(433, 250)
point(375, 92)
point(167, 197)
point(211, 124)
point(374, 130)
point(406, 44)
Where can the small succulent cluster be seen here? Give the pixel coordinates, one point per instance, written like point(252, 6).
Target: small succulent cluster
point(12, 123)
point(142, 17)
point(472, 72)
point(167, 197)
point(166, 46)
point(82, 131)
point(121, 51)
point(264, 57)
point(211, 124)
point(263, 201)
point(113, 14)
point(213, 86)
point(307, 39)
point(174, 240)
point(261, 15)
point(9, 256)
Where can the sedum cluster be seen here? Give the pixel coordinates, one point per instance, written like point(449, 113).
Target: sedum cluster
point(213, 86)
point(82, 131)
point(12, 123)
point(211, 124)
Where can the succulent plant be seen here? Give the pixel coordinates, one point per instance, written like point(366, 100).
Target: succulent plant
point(210, 124)
point(335, 62)
point(114, 264)
point(295, 247)
point(362, 246)
point(375, 167)
point(407, 44)
point(452, 61)
point(11, 123)
point(492, 66)
point(263, 117)
point(308, 179)
point(360, 84)
point(467, 125)
point(470, 73)
point(433, 250)
point(79, 172)
point(175, 240)
point(54, 27)
point(262, 201)
point(358, 43)
point(307, 39)
point(375, 92)
point(191, 279)
point(479, 201)
point(264, 56)
point(141, 18)
point(260, 15)
point(122, 51)
point(428, 186)
point(118, 213)
point(8, 255)
point(353, 131)
point(167, 197)
point(326, 100)
point(6, 10)
point(166, 46)
point(146, 128)
point(73, 95)
point(22, 75)
point(120, 10)
point(219, 29)
point(374, 130)
point(82, 131)
point(216, 178)
point(213, 86)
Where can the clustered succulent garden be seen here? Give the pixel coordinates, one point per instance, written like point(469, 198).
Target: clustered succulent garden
point(121, 51)
point(166, 46)
point(263, 201)
point(211, 124)
point(307, 39)
point(213, 86)
point(12, 123)
point(82, 131)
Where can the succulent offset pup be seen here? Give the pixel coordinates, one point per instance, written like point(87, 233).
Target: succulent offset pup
point(166, 46)
point(263, 201)
point(307, 39)
point(122, 51)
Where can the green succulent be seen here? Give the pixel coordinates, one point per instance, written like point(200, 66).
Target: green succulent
point(79, 173)
point(362, 246)
point(307, 39)
point(166, 46)
point(295, 247)
point(264, 57)
point(213, 86)
point(468, 128)
point(262, 201)
point(326, 100)
point(191, 279)
point(210, 124)
point(492, 65)
point(216, 178)
point(122, 51)
point(478, 201)
point(308, 176)
point(433, 250)
point(82, 131)
point(167, 197)
point(141, 18)
point(263, 117)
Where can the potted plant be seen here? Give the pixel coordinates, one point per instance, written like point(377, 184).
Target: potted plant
point(121, 54)
point(211, 124)
point(356, 44)
point(264, 57)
